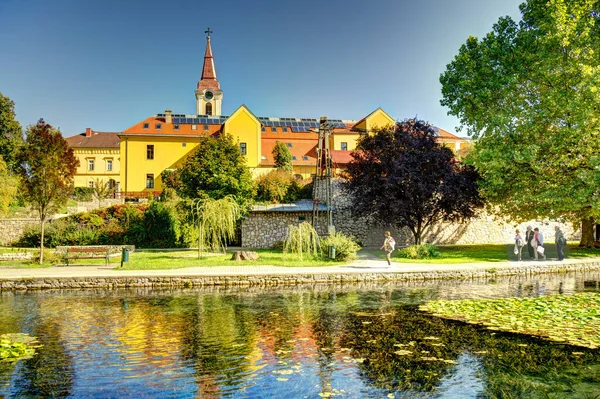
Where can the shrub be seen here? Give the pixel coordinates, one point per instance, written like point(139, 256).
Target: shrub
point(161, 227)
point(278, 245)
point(83, 194)
point(90, 219)
point(31, 236)
point(299, 189)
point(273, 186)
point(422, 251)
point(302, 239)
point(345, 246)
point(49, 257)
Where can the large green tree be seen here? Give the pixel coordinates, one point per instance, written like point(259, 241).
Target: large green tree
point(8, 187)
point(529, 92)
point(46, 168)
point(216, 169)
point(11, 134)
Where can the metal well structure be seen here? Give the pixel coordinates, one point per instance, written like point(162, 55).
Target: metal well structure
point(322, 183)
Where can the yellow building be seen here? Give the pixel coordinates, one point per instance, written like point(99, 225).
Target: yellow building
point(163, 141)
point(99, 158)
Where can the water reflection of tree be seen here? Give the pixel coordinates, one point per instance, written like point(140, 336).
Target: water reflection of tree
point(217, 341)
point(49, 374)
point(510, 362)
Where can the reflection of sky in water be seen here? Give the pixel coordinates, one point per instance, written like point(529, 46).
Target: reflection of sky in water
point(246, 343)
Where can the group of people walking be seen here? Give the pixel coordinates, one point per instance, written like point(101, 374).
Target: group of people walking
point(534, 240)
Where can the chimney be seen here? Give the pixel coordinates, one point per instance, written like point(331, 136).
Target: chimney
point(88, 132)
point(168, 117)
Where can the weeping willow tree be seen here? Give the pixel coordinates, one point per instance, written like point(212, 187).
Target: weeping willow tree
point(301, 239)
point(216, 222)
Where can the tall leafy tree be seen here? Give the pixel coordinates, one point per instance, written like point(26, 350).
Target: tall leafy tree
point(46, 168)
point(11, 134)
point(528, 92)
point(8, 187)
point(282, 156)
point(404, 177)
point(215, 170)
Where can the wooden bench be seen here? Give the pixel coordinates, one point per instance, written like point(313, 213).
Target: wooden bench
point(86, 253)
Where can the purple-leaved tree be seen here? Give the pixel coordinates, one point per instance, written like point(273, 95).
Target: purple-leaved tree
point(403, 176)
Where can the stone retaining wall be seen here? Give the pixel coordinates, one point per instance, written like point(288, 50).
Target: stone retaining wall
point(264, 229)
point(285, 280)
point(483, 229)
point(12, 229)
point(87, 206)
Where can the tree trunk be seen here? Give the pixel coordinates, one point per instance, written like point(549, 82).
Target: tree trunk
point(418, 233)
point(587, 233)
point(42, 243)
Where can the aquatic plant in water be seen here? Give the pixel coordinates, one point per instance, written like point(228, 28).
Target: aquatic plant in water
point(574, 319)
point(14, 347)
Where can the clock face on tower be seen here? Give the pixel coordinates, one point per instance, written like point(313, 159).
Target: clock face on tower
point(208, 95)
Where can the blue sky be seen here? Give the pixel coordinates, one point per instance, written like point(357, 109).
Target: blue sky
point(107, 64)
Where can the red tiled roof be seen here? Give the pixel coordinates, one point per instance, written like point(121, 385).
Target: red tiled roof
point(299, 149)
point(344, 130)
point(168, 129)
point(444, 134)
point(341, 157)
point(96, 140)
point(268, 134)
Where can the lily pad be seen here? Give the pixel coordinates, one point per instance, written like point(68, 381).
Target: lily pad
point(573, 319)
point(17, 346)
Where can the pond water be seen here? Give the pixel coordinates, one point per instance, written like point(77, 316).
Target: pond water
point(303, 342)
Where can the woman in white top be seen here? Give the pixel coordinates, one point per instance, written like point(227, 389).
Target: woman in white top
point(518, 244)
point(388, 246)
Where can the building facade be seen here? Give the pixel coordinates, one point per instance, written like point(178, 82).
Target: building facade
point(99, 158)
point(162, 142)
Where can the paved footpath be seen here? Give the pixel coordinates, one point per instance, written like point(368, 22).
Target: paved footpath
point(366, 263)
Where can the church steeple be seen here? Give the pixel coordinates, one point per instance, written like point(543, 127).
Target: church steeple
point(208, 90)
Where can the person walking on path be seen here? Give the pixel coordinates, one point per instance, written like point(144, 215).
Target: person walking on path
point(529, 234)
point(389, 244)
point(518, 244)
point(560, 241)
point(538, 239)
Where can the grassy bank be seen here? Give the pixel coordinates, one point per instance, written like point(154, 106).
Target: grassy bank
point(489, 253)
point(164, 260)
point(180, 259)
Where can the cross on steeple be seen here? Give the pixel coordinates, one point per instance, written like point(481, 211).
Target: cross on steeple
point(208, 32)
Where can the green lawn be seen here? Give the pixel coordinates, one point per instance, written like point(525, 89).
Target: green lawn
point(176, 260)
point(157, 260)
point(489, 253)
